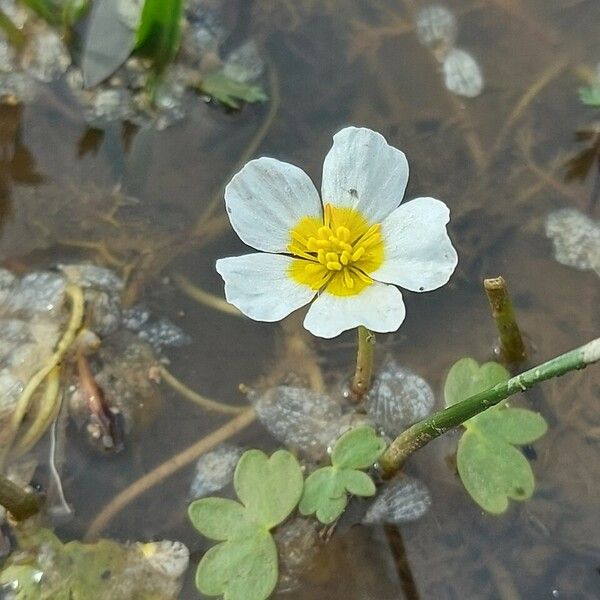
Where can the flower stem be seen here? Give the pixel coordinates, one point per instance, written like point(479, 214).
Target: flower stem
point(19, 503)
point(511, 343)
point(424, 431)
point(364, 364)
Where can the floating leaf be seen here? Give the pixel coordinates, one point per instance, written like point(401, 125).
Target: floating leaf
point(243, 569)
point(108, 43)
point(244, 566)
point(490, 467)
point(401, 501)
point(229, 92)
point(159, 33)
point(590, 96)
point(326, 490)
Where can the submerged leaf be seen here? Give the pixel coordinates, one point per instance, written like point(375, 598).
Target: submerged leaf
point(159, 33)
point(490, 467)
point(398, 398)
point(400, 501)
point(229, 92)
point(576, 239)
point(326, 490)
point(108, 43)
point(590, 96)
point(244, 566)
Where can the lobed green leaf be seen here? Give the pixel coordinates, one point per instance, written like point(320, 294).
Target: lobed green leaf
point(358, 448)
point(490, 467)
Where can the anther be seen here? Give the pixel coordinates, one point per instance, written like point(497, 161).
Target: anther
point(334, 266)
point(345, 257)
point(358, 254)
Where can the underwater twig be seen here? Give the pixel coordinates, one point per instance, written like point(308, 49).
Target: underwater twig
point(202, 297)
point(424, 431)
point(166, 469)
point(77, 312)
point(189, 394)
point(361, 382)
point(512, 347)
point(19, 503)
point(549, 74)
point(64, 505)
point(49, 407)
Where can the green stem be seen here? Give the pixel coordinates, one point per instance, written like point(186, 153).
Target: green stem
point(19, 503)
point(424, 431)
point(511, 343)
point(364, 364)
point(15, 36)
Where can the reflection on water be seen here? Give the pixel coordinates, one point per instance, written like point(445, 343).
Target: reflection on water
point(148, 205)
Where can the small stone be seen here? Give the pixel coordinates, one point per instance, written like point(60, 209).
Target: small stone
point(214, 470)
point(168, 558)
point(163, 333)
point(576, 239)
point(400, 501)
point(398, 398)
point(462, 74)
point(47, 58)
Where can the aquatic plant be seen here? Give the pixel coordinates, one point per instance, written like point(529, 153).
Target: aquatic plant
point(347, 255)
point(490, 467)
point(326, 489)
point(244, 565)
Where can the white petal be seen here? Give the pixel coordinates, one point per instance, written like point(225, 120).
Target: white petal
point(419, 255)
point(363, 172)
point(260, 286)
point(379, 307)
point(266, 199)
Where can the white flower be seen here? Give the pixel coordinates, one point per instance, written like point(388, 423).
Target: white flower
point(347, 253)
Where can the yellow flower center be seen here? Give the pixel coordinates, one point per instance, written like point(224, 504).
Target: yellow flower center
point(338, 253)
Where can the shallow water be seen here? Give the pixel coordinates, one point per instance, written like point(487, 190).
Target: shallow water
point(498, 160)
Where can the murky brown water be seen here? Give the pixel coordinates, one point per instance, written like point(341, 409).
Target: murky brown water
point(497, 160)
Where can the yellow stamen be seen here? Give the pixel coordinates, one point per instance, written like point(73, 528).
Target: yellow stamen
point(337, 253)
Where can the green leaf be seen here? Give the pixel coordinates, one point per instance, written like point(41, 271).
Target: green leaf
point(357, 449)
point(243, 569)
point(466, 378)
point(229, 92)
point(269, 488)
point(108, 43)
point(73, 11)
point(220, 518)
point(490, 467)
point(590, 96)
point(326, 490)
point(244, 566)
point(159, 33)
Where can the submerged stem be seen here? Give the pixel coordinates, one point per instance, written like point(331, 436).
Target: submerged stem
point(511, 343)
point(19, 503)
point(364, 364)
point(424, 431)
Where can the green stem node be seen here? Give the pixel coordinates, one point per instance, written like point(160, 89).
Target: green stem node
point(424, 431)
